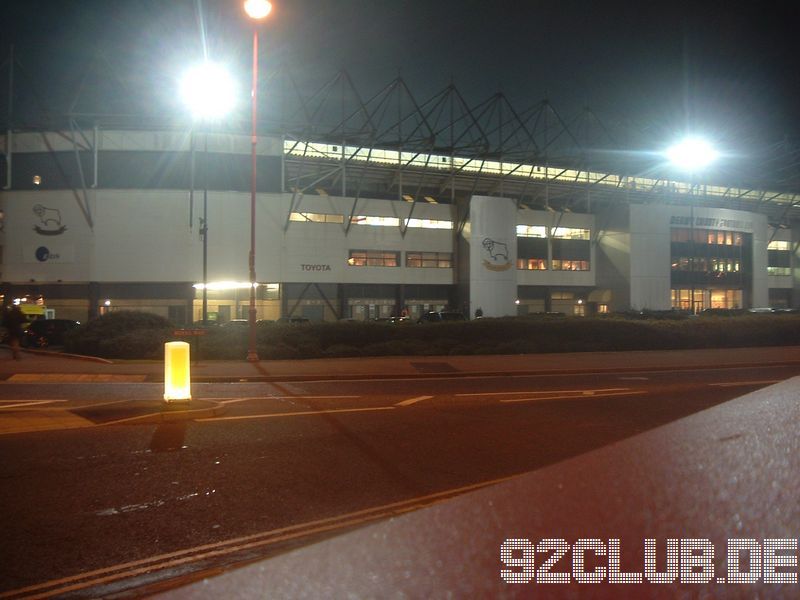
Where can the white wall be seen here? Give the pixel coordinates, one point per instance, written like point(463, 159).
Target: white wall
point(144, 235)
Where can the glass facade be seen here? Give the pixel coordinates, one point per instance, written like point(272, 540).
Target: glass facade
point(710, 268)
point(565, 249)
point(779, 258)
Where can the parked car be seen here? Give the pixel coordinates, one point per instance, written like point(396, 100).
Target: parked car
point(444, 315)
point(47, 332)
point(392, 320)
point(293, 320)
point(235, 323)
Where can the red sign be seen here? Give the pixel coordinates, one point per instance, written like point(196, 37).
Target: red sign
point(188, 332)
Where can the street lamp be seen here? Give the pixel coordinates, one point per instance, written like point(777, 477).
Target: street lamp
point(256, 10)
point(210, 93)
point(691, 155)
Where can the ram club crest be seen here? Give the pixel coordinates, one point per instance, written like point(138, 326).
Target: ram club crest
point(49, 221)
point(495, 255)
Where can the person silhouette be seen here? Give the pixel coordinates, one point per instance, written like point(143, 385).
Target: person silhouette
point(12, 321)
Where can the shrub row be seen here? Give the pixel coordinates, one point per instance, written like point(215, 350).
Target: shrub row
point(131, 335)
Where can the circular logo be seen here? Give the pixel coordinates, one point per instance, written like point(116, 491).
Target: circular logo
point(42, 254)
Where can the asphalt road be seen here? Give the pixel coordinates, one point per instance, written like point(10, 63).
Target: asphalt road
point(111, 508)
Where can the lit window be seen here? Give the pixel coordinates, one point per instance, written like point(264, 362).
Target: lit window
point(373, 258)
point(376, 221)
point(315, 218)
point(570, 265)
point(779, 245)
point(779, 271)
point(570, 233)
point(536, 231)
point(562, 296)
point(429, 260)
point(532, 264)
point(429, 224)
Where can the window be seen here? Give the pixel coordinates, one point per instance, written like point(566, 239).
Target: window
point(562, 296)
point(435, 260)
point(707, 236)
point(378, 221)
point(602, 309)
point(680, 235)
point(779, 271)
point(315, 218)
point(535, 231)
point(779, 245)
point(532, 264)
point(429, 224)
point(373, 258)
point(569, 233)
point(570, 265)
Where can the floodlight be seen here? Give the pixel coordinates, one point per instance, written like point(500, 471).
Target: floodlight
point(208, 90)
point(692, 154)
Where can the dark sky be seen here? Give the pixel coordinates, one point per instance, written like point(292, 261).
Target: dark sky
point(726, 70)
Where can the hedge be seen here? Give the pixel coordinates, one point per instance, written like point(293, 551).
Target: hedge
point(136, 335)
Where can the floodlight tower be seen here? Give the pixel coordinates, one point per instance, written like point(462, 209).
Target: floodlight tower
point(691, 155)
point(209, 92)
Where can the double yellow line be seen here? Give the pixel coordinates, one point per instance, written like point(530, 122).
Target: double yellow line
point(100, 577)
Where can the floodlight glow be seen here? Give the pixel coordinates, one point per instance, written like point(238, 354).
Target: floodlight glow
point(224, 286)
point(257, 9)
point(208, 90)
point(692, 154)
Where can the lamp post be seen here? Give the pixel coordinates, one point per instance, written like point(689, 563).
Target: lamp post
point(691, 155)
point(256, 10)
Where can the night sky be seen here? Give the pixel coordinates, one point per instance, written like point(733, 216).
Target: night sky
point(660, 68)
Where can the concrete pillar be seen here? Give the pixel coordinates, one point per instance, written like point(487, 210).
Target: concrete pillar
point(493, 256)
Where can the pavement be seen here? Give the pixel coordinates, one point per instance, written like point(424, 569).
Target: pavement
point(43, 367)
point(52, 367)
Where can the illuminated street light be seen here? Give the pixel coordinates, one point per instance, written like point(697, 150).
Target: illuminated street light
point(208, 90)
point(692, 154)
point(256, 10)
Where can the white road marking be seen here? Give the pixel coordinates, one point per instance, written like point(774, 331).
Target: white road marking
point(26, 403)
point(575, 396)
point(235, 400)
point(738, 383)
point(554, 373)
point(296, 414)
point(594, 391)
point(413, 400)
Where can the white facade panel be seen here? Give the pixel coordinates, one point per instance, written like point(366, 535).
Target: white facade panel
point(493, 256)
point(38, 226)
point(144, 235)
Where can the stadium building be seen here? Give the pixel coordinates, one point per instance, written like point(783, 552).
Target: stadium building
point(368, 216)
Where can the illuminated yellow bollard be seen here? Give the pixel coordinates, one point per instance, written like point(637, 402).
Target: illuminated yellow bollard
point(177, 378)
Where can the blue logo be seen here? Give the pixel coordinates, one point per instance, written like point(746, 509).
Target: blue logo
point(42, 254)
